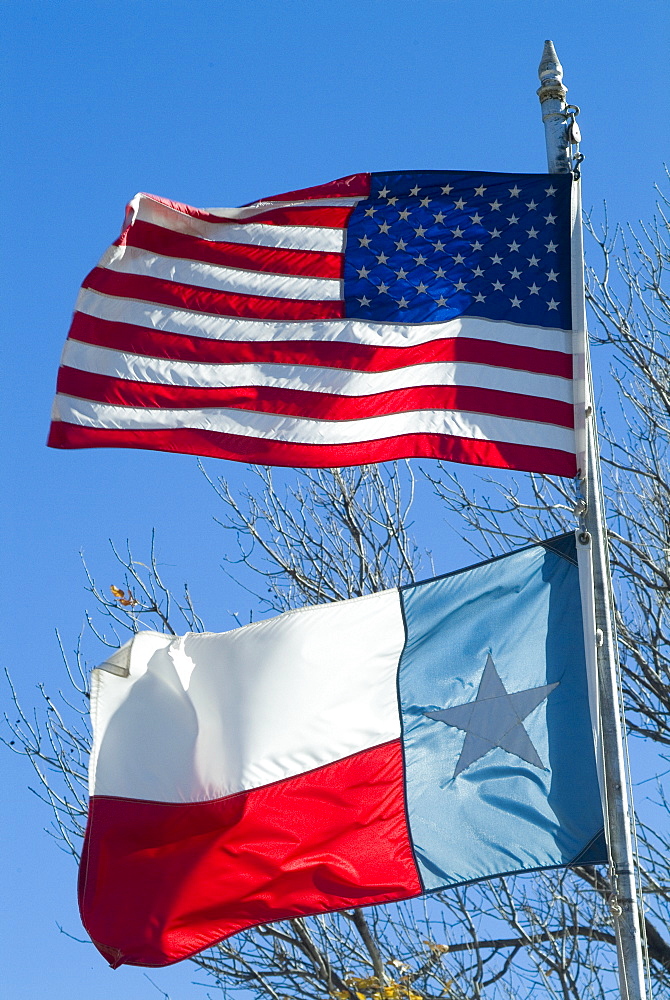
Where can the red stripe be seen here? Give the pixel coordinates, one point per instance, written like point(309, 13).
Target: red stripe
point(161, 881)
point(315, 405)
point(321, 353)
point(523, 458)
point(172, 293)
point(352, 186)
point(323, 216)
point(308, 263)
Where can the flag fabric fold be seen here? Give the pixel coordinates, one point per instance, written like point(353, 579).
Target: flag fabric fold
point(342, 755)
point(383, 315)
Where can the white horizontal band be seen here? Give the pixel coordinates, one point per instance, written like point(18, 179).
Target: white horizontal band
point(134, 260)
point(258, 207)
point(299, 430)
point(352, 331)
point(310, 378)
point(210, 715)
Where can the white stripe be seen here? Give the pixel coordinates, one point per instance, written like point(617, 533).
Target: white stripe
point(259, 233)
point(248, 211)
point(311, 378)
point(133, 260)
point(351, 331)
point(203, 716)
point(476, 426)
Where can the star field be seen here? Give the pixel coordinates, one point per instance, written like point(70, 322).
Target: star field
point(431, 246)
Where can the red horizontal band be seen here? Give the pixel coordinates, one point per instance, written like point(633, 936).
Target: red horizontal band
point(323, 216)
point(172, 293)
point(161, 881)
point(316, 405)
point(322, 353)
point(523, 458)
point(273, 260)
point(352, 186)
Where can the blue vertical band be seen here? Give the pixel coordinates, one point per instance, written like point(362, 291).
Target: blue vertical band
point(499, 757)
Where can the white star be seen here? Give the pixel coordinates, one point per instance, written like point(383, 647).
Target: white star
point(363, 273)
point(479, 297)
point(421, 288)
point(477, 245)
point(552, 275)
point(382, 258)
point(400, 244)
point(460, 286)
point(552, 304)
point(496, 259)
point(515, 191)
point(533, 261)
point(532, 232)
point(494, 719)
point(460, 204)
point(439, 245)
point(370, 211)
point(457, 232)
point(551, 246)
point(382, 289)
point(495, 233)
point(439, 217)
point(364, 301)
point(425, 202)
point(477, 272)
point(513, 219)
point(480, 191)
point(459, 259)
point(515, 273)
point(441, 301)
point(404, 214)
point(532, 204)
point(391, 201)
point(516, 302)
point(402, 273)
point(498, 286)
point(384, 192)
point(414, 191)
point(440, 273)
point(476, 218)
point(364, 241)
point(551, 219)
point(403, 303)
point(447, 189)
point(534, 289)
point(550, 190)
point(495, 205)
point(420, 259)
point(420, 231)
point(514, 246)
point(384, 228)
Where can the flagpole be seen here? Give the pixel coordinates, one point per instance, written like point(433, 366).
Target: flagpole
point(561, 135)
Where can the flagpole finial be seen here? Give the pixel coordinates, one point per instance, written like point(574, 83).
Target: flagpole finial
point(552, 92)
point(550, 73)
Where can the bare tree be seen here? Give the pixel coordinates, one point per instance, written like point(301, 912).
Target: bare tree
point(309, 537)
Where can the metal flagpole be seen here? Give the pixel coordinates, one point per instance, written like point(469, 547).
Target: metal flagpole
point(562, 134)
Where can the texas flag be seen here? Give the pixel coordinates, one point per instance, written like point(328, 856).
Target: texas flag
point(342, 755)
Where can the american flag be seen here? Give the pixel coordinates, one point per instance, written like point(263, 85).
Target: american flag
point(382, 315)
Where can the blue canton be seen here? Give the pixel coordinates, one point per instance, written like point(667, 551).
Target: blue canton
point(429, 246)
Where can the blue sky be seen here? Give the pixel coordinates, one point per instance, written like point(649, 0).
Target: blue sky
point(217, 104)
